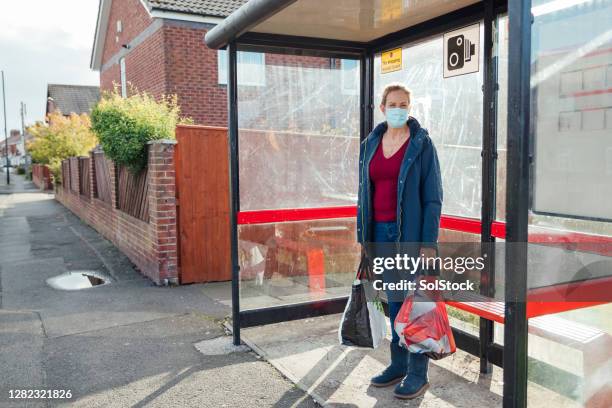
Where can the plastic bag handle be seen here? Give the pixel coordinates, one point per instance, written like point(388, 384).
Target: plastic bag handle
point(364, 271)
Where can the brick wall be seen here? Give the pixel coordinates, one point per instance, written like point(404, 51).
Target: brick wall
point(134, 19)
point(151, 246)
point(193, 77)
point(145, 66)
point(109, 77)
point(162, 206)
point(175, 60)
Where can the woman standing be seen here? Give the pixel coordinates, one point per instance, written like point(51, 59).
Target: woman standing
point(399, 201)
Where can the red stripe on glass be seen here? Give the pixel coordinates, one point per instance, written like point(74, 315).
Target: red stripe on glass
point(295, 214)
point(461, 224)
point(469, 225)
point(498, 229)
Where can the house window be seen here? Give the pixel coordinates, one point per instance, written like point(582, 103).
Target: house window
point(123, 79)
point(350, 76)
point(251, 68)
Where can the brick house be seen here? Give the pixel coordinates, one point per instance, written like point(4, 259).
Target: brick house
point(15, 148)
point(157, 46)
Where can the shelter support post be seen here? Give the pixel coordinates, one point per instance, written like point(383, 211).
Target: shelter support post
point(232, 102)
point(517, 204)
point(366, 64)
point(489, 160)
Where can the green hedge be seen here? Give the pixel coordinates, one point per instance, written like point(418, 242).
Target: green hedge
point(125, 125)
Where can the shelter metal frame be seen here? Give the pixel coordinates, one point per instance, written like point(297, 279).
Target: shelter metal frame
point(512, 356)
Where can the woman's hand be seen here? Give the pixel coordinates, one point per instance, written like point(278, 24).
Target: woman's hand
point(363, 250)
point(428, 252)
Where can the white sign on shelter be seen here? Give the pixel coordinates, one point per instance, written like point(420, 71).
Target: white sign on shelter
point(462, 51)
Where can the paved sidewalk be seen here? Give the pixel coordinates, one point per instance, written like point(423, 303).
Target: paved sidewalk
point(18, 183)
point(128, 343)
point(307, 352)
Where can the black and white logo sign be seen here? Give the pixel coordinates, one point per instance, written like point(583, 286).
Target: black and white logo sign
point(462, 51)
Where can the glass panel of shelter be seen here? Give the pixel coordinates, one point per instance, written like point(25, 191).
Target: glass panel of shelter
point(570, 139)
point(298, 152)
point(571, 189)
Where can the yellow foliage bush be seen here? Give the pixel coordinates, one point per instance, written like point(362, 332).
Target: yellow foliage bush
point(61, 138)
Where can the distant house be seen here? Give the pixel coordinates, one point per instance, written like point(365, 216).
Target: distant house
point(157, 46)
point(69, 99)
point(15, 148)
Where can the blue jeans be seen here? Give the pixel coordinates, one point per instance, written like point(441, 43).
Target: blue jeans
point(387, 232)
point(416, 375)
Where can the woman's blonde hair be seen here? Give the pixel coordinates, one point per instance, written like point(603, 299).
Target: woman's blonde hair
point(395, 87)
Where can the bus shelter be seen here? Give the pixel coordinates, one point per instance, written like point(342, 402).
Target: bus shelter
point(521, 115)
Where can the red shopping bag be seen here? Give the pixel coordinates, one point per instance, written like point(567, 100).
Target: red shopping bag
point(423, 327)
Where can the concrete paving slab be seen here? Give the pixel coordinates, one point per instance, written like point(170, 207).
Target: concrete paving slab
point(155, 364)
point(22, 279)
point(15, 252)
point(14, 226)
point(21, 344)
point(220, 291)
point(115, 304)
point(307, 352)
point(122, 304)
point(100, 359)
point(41, 204)
point(17, 183)
point(250, 298)
point(219, 346)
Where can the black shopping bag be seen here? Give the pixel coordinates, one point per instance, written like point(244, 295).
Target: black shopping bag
point(363, 322)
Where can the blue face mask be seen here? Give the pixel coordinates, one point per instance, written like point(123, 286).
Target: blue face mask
point(396, 117)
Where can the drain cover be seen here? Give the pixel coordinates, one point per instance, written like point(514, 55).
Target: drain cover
point(76, 280)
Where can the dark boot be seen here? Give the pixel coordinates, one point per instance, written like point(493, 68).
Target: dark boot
point(396, 371)
point(416, 382)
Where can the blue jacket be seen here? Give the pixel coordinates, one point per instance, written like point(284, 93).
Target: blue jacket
point(419, 188)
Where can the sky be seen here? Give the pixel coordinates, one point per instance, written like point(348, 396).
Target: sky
point(43, 42)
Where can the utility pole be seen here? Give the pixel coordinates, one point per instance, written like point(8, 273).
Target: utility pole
point(23, 137)
point(8, 176)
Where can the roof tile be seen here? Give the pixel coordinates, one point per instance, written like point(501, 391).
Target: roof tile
point(214, 8)
point(73, 98)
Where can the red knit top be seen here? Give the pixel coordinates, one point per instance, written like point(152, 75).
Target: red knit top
point(384, 173)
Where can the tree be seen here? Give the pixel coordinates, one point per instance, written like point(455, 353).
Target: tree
point(63, 137)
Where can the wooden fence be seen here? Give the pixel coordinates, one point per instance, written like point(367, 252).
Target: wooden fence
point(66, 174)
point(84, 184)
point(132, 193)
point(102, 177)
point(74, 174)
point(132, 189)
point(201, 158)
point(41, 176)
